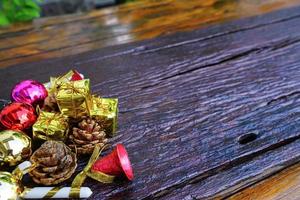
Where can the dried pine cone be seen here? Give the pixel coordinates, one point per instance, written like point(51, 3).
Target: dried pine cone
point(26, 152)
point(55, 163)
point(84, 137)
point(50, 103)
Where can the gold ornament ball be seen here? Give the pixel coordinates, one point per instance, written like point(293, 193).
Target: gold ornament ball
point(15, 147)
point(9, 187)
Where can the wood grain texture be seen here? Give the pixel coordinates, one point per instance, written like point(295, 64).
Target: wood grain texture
point(186, 99)
point(221, 185)
point(284, 185)
point(70, 35)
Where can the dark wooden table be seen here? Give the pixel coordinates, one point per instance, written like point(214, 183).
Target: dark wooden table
point(209, 112)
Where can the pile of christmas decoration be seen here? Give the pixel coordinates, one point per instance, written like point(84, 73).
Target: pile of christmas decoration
point(46, 129)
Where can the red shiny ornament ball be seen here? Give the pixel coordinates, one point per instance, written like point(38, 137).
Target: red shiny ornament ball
point(29, 91)
point(18, 116)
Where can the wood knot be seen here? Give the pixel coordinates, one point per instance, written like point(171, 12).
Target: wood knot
point(249, 137)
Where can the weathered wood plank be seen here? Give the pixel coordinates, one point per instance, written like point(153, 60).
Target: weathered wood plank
point(117, 25)
point(224, 182)
point(185, 101)
point(284, 185)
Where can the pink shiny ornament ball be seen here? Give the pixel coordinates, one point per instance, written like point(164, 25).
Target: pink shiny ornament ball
point(18, 116)
point(29, 91)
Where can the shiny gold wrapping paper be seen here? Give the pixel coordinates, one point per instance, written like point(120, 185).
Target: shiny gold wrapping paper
point(50, 126)
point(55, 82)
point(73, 98)
point(106, 111)
point(9, 186)
point(15, 146)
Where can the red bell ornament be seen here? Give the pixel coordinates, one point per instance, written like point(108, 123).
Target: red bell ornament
point(29, 91)
point(18, 116)
point(116, 163)
point(76, 76)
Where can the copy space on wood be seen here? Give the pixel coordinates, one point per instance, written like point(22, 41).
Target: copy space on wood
point(72, 34)
point(186, 99)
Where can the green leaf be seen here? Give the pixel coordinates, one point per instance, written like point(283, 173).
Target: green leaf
point(17, 2)
point(26, 15)
point(3, 20)
point(20, 10)
point(31, 4)
point(8, 5)
point(9, 9)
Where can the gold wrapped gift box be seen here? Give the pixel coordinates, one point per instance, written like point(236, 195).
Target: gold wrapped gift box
point(105, 110)
point(75, 101)
point(52, 126)
point(73, 98)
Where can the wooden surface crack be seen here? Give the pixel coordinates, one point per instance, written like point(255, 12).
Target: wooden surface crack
point(275, 45)
point(214, 36)
point(283, 97)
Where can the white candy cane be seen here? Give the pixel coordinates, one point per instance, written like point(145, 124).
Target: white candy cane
point(48, 192)
point(54, 192)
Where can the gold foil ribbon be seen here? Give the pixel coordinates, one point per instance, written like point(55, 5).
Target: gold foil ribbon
point(49, 194)
point(18, 173)
point(80, 178)
point(56, 81)
point(52, 192)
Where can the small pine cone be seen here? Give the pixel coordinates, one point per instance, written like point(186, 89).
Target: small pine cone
point(50, 104)
point(84, 137)
point(26, 152)
point(55, 163)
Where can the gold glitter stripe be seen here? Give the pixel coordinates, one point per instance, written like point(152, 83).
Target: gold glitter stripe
point(75, 193)
point(52, 192)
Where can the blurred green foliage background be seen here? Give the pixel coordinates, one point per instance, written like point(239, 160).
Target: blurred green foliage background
point(12, 11)
point(18, 11)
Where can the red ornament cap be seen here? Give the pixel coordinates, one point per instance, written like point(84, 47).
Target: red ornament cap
point(18, 116)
